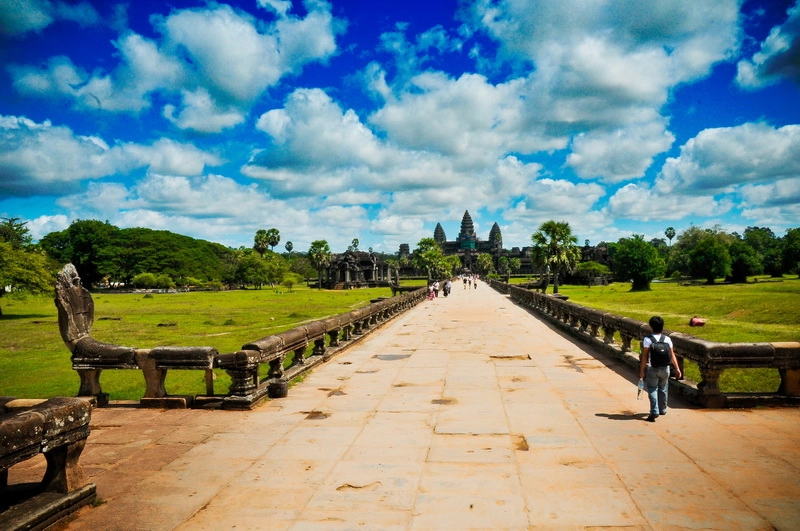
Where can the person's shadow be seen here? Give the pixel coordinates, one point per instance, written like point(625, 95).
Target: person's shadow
point(625, 415)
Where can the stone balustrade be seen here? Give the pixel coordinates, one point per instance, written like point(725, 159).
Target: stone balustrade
point(323, 337)
point(307, 345)
point(615, 334)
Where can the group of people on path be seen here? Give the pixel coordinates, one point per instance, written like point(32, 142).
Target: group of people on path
point(433, 289)
point(470, 280)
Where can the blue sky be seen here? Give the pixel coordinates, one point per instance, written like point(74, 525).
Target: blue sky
point(376, 120)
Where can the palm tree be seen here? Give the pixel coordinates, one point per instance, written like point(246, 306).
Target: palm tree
point(289, 247)
point(273, 237)
point(319, 254)
point(260, 242)
point(555, 246)
point(669, 233)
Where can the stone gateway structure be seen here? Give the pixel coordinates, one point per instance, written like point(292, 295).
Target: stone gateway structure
point(356, 269)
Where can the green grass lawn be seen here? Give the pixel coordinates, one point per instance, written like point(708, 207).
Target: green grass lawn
point(35, 363)
point(764, 311)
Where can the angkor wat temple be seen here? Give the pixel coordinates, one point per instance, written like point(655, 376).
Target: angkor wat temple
point(468, 245)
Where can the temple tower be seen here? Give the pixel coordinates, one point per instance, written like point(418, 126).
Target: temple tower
point(438, 234)
point(495, 237)
point(466, 238)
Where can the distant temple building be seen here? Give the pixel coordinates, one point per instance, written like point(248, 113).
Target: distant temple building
point(467, 245)
point(356, 269)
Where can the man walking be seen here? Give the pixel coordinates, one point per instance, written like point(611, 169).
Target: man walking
point(657, 357)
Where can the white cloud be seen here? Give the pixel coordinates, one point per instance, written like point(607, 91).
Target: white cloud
point(643, 203)
point(618, 155)
point(717, 159)
point(468, 119)
point(313, 131)
point(280, 7)
point(607, 65)
point(778, 57)
point(18, 17)
point(44, 225)
point(401, 226)
point(68, 160)
point(555, 198)
point(212, 64)
point(200, 112)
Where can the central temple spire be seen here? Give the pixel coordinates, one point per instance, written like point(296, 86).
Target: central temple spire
point(466, 238)
point(467, 228)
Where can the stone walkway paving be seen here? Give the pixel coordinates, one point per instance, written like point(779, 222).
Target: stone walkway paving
point(466, 412)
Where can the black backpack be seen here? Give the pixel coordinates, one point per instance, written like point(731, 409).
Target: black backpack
point(659, 352)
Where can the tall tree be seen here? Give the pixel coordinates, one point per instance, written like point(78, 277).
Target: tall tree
point(669, 233)
point(638, 261)
point(261, 242)
point(556, 248)
point(273, 237)
point(744, 261)
point(23, 272)
point(710, 259)
point(791, 251)
point(319, 254)
point(15, 233)
point(82, 244)
point(485, 263)
point(768, 247)
point(428, 256)
point(289, 246)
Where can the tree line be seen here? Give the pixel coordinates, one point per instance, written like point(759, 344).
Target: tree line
point(107, 255)
point(707, 254)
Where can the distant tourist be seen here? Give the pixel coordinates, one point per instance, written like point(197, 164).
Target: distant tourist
point(447, 287)
point(657, 357)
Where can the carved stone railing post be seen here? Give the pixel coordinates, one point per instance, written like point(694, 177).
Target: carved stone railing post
point(709, 387)
point(299, 357)
point(608, 336)
point(333, 338)
point(626, 342)
point(276, 367)
point(319, 347)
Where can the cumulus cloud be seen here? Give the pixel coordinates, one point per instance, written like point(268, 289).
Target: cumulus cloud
point(44, 225)
point(778, 57)
point(387, 224)
point(468, 119)
point(43, 159)
point(720, 158)
point(18, 17)
point(312, 130)
point(619, 155)
point(554, 198)
point(213, 63)
point(643, 203)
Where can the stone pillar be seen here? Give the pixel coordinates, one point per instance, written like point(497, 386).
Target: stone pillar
point(709, 387)
point(64, 473)
point(90, 385)
point(790, 382)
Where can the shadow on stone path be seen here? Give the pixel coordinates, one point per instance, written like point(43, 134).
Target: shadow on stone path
point(464, 413)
